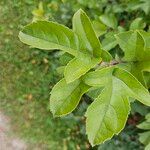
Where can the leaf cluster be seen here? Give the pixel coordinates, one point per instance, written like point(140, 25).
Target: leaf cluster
point(91, 67)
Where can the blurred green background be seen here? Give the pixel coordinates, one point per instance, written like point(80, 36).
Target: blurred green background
point(27, 75)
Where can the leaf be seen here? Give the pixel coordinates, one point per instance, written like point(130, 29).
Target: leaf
point(78, 67)
point(118, 85)
point(138, 69)
point(136, 47)
point(147, 147)
point(82, 26)
point(138, 108)
point(146, 38)
point(94, 92)
point(120, 29)
point(109, 20)
point(99, 28)
point(49, 36)
point(128, 43)
point(98, 78)
point(141, 4)
point(146, 124)
point(138, 23)
point(65, 58)
point(101, 126)
point(90, 52)
point(60, 70)
point(109, 41)
point(106, 56)
point(145, 6)
point(145, 136)
point(65, 97)
point(147, 79)
point(139, 92)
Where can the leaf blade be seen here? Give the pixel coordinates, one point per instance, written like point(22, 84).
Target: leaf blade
point(49, 36)
point(98, 78)
point(83, 27)
point(139, 91)
point(111, 102)
point(77, 67)
point(62, 103)
point(134, 46)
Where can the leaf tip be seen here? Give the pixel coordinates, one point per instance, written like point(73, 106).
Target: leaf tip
point(81, 10)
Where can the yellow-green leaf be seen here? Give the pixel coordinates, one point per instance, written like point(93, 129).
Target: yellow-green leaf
point(83, 27)
point(108, 113)
point(49, 36)
point(78, 67)
point(65, 97)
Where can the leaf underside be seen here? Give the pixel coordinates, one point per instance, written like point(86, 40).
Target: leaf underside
point(65, 97)
point(49, 36)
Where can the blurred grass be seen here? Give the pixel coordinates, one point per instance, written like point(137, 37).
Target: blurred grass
point(26, 77)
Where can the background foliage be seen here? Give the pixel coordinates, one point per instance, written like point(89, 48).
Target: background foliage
point(29, 74)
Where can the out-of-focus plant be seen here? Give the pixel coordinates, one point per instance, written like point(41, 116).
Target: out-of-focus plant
point(145, 136)
point(39, 14)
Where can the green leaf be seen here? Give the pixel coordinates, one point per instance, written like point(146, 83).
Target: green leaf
point(144, 137)
point(65, 97)
point(138, 108)
point(138, 23)
point(99, 28)
point(90, 49)
point(94, 92)
point(139, 92)
point(84, 29)
point(106, 56)
point(49, 36)
point(78, 67)
point(145, 6)
point(147, 147)
point(146, 124)
point(136, 47)
point(147, 79)
point(138, 69)
point(60, 70)
point(109, 41)
point(109, 20)
point(121, 29)
point(98, 78)
point(132, 44)
point(141, 4)
point(118, 85)
point(146, 38)
point(65, 58)
point(100, 124)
